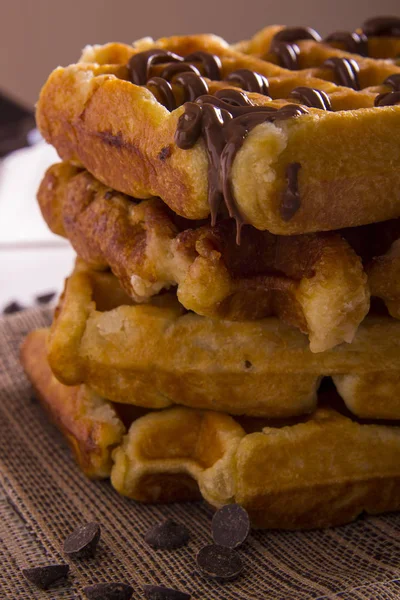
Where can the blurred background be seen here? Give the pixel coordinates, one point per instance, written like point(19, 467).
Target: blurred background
point(38, 35)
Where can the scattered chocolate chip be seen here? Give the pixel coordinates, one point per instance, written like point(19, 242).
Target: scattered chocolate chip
point(108, 195)
point(167, 535)
point(230, 526)
point(45, 298)
point(82, 542)
point(164, 153)
point(44, 577)
point(247, 364)
point(13, 307)
point(108, 591)
point(158, 592)
point(219, 562)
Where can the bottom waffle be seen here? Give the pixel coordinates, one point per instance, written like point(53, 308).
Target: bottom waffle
point(320, 471)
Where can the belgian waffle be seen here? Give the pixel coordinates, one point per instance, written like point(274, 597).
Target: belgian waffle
point(155, 355)
point(260, 146)
point(312, 281)
point(320, 471)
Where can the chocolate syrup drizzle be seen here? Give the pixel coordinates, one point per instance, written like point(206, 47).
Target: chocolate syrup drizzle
point(183, 72)
point(284, 46)
point(311, 97)
point(286, 50)
point(346, 71)
point(356, 43)
point(394, 81)
point(250, 81)
point(224, 121)
point(390, 98)
point(382, 26)
point(291, 198)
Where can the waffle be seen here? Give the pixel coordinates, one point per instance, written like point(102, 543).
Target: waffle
point(314, 282)
point(322, 471)
point(155, 355)
point(384, 278)
point(91, 425)
point(280, 164)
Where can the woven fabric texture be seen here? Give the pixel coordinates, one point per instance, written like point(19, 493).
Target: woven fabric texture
point(43, 497)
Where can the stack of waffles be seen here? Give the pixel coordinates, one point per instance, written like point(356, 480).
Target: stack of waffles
point(231, 326)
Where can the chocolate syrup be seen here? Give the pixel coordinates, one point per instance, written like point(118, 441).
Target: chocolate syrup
point(311, 97)
point(382, 26)
point(388, 99)
point(225, 120)
point(250, 81)
point(354, 42)
point(291, 197)
point(346, 71)
point(286, 50)
point(394, 81)
point(140, 64)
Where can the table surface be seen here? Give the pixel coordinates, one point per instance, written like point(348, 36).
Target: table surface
point(33, 261)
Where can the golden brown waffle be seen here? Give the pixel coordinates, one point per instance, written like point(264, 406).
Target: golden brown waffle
point(89, 423)
point(322, 471)
point(384, 278)
point(314, 282)
point(294, 173)
point(158, 355)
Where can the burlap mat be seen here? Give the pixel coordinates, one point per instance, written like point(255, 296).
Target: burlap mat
point(43, 496)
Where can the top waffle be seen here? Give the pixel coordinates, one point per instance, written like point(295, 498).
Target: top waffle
point(285, 132)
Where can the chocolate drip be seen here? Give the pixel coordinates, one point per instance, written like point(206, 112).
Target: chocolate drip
point(311, 97)
point(291, 197)
point(382, 26)
point(346, 71)
point(295, 34)
point(211, 63)
point(354, 42)
point(394, 81)
point(250, 81)
point(287, 54)
point(225, 120)
point(164, 89)
point(140, 64)
point(388, 99)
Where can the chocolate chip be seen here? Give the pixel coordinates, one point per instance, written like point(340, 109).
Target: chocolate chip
point(108, 591)
point(164, 153)
point(230, 526)
point(219, 562)
point(45, 298)
point(108, 195)
point(13, 307)
point(158, 592)
point(82, 542)
point(167, 535)
point(44, 577)
point(247, 364)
